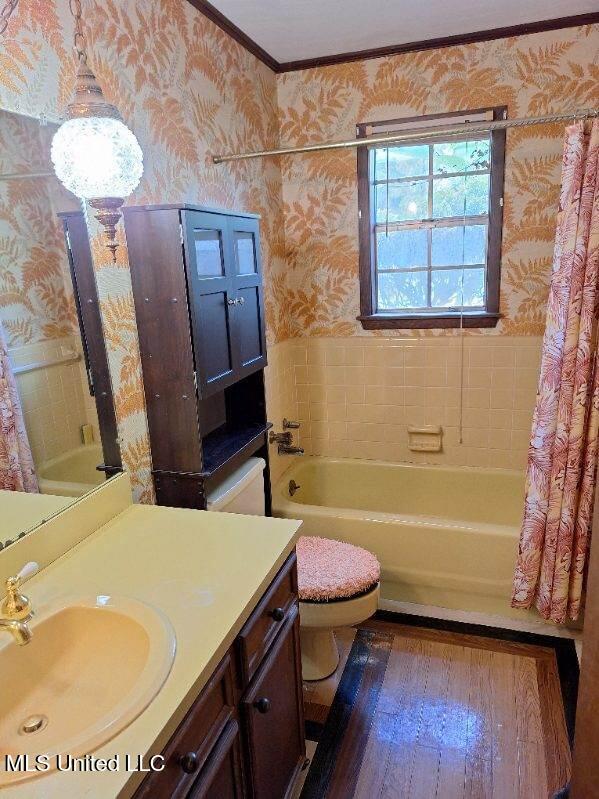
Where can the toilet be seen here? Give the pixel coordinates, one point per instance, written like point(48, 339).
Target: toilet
point(338, 583)
point(338, 587)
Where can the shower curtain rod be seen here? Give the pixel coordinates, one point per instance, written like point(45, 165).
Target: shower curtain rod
point(422, 133)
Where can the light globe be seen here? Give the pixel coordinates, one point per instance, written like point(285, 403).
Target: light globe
point(97, 157)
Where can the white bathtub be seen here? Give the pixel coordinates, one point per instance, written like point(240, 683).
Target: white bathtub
point(445, 536)
point(73, 473)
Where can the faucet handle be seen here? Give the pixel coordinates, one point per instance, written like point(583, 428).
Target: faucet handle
point(288, 425)
point(28, 570)
point(15, 605)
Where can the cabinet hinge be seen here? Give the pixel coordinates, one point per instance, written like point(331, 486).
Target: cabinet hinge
point(181, 232)
point(501, 202)
point(68, 238)
point(195, 380)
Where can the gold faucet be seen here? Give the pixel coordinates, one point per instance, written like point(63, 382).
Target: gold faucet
point(15, 610)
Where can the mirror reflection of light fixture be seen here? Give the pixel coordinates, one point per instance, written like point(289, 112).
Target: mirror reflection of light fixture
point(94, 153)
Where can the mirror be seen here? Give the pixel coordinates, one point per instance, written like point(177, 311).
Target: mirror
point(47, 314)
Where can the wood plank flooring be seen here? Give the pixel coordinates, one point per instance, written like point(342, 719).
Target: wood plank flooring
point(422, 713)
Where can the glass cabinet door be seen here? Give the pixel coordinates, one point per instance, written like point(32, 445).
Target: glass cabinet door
point(211, 302)
point(250, 350)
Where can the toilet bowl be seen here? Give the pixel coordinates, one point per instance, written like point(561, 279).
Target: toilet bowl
point(338, 586)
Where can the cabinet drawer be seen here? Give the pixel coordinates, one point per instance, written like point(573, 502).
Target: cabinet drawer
point(262, 627)
point(190, 747)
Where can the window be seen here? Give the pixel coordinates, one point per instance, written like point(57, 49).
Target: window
point(430, 225)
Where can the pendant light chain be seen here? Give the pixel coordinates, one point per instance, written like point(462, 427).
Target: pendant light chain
point(5, 14)
point(78, 36)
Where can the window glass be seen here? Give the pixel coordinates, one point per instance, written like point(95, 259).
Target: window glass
point(430, 225)
point(208, 248)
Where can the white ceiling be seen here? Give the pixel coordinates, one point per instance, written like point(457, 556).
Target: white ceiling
point(291, 30)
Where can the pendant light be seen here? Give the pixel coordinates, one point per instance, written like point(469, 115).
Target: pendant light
point(94, 153)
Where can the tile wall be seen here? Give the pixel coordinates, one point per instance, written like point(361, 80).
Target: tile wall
point(55, 399)
point(356, 396)
point(281, 396)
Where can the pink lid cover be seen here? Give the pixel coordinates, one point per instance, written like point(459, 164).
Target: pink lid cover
point(329, 569)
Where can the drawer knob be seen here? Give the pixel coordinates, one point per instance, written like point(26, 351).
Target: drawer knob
point(278, 614)
point(262, 705)
point(189, 762)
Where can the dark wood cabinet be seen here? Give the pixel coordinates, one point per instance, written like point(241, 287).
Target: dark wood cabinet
point(222, 261)
point(197, 286)
point(243, 737)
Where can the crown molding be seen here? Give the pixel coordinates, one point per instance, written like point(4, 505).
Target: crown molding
point(541, 26)
point(213, 14)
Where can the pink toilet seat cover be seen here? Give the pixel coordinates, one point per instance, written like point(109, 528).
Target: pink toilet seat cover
point(328, 570)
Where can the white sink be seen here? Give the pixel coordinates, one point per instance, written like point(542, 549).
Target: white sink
point(90, 669)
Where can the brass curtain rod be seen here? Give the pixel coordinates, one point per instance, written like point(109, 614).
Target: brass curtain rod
point(26, 175)
point(422, 133)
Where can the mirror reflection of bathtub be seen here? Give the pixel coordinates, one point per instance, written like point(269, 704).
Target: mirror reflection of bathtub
point(73, 473)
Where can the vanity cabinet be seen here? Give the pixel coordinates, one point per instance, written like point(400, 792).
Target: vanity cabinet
point(244, 736)
point(197, 286)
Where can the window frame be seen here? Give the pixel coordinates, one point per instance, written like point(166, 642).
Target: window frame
point(370, 318)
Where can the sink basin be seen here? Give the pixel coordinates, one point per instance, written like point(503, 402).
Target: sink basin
point(90, 669)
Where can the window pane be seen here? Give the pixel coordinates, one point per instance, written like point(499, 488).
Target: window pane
point(461, 156)
point(407, 201)
point(466, 195)
point(401, 249)
point(453, 246)
point(404, 162)
point(446, 288)
point(246, 255)
point(208, 253)
point(402, 290)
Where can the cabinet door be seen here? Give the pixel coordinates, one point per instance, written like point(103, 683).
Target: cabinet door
point(248, 310)
point(222, 777)
point(274, 719)
point(207, 251)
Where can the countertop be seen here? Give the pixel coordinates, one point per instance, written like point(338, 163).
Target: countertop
point(20, 512)
point(205, 572)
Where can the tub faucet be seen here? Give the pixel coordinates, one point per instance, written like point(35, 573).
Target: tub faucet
point(16, 610)
point(285, 442)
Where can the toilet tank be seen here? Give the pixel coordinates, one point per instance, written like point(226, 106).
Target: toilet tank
point(242, 491)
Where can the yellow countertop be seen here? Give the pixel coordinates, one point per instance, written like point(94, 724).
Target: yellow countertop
point(205, 572)
point(19, 511)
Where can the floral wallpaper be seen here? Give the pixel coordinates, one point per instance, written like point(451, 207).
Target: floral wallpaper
point(35, 303)
point(187, 90)
point(533, 75)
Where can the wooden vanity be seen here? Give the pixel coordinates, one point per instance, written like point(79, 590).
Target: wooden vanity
point(244, 735)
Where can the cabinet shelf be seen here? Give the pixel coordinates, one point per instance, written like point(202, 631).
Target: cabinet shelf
point(226, 444)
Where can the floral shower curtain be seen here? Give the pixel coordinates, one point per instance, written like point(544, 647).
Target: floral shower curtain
point(17, 472)
point(562, 459)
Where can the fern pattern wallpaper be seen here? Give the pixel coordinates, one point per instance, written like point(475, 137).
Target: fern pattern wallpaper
point(36, 303)
point(533, 75)
point(188, 91)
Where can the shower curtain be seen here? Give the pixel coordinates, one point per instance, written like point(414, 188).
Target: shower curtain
point(17, 472)
point(562, 458)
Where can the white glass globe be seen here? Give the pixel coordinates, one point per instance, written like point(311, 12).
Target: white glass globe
point(97, 157)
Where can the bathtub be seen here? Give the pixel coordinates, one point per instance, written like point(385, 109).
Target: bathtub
point(445, 536)
point(73, 473)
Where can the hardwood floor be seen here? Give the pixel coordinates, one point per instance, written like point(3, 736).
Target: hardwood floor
point(422, 713)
